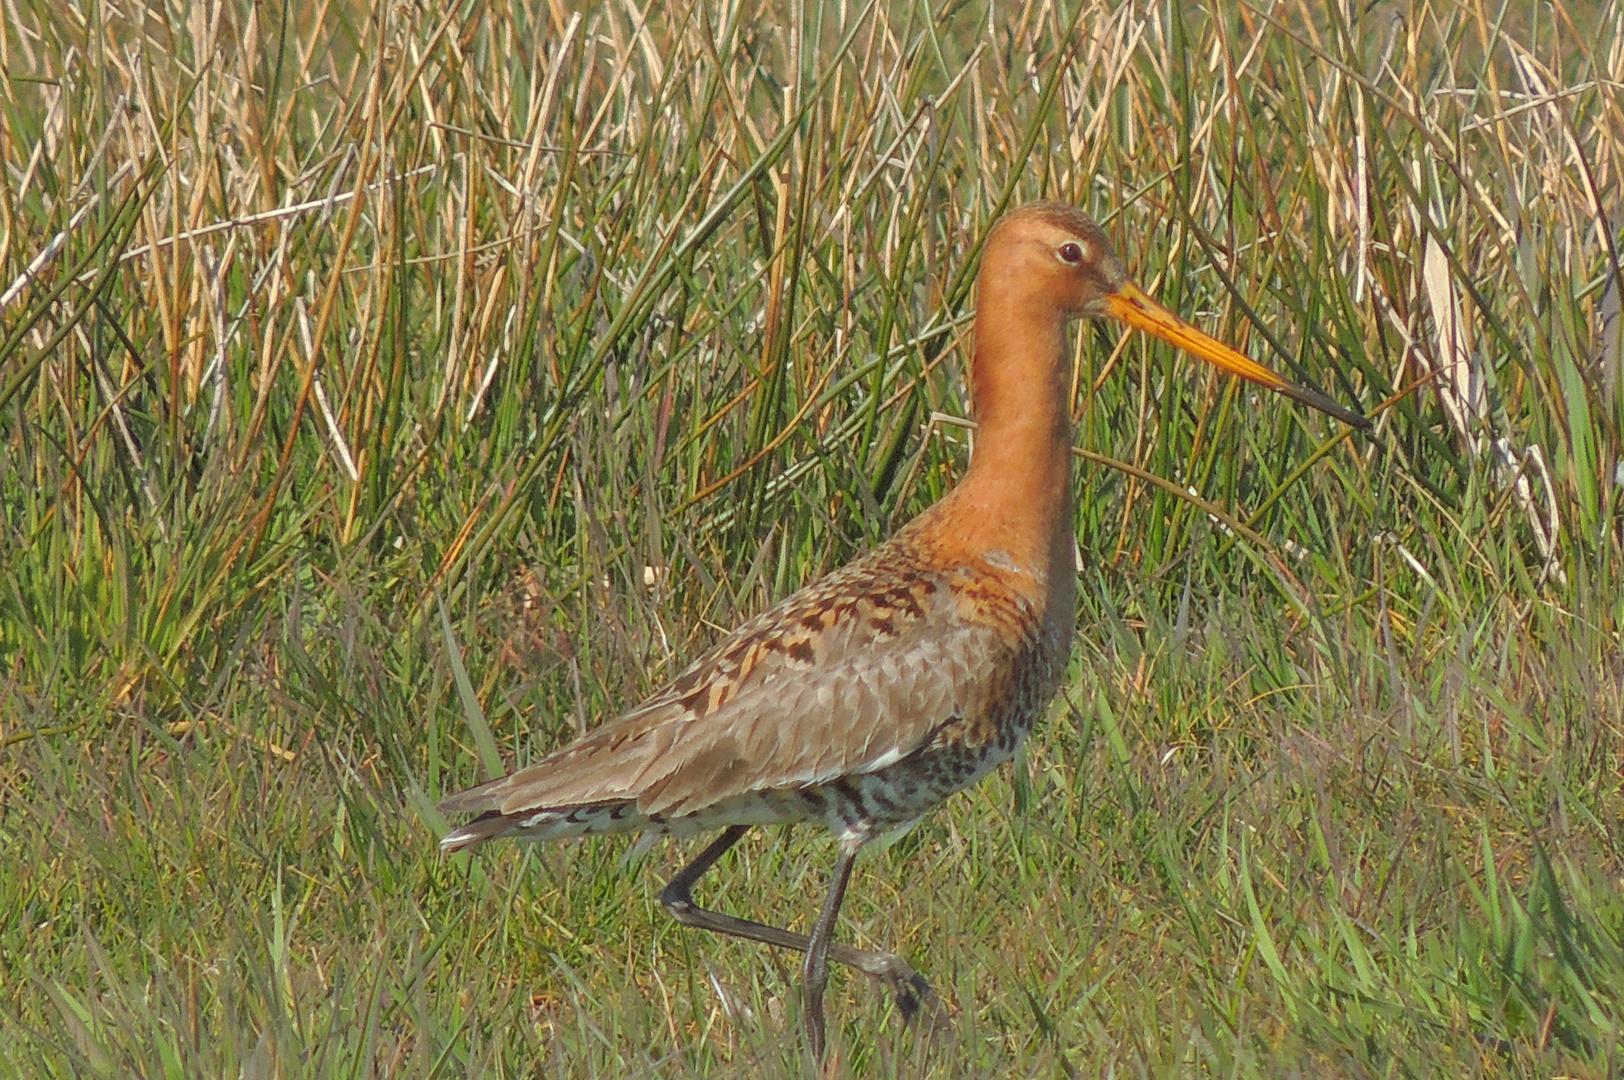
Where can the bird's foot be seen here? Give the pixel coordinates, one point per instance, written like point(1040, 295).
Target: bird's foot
point(913, 994)
point(915, 998)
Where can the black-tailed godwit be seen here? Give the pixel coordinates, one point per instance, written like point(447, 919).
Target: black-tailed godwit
point(867, 698)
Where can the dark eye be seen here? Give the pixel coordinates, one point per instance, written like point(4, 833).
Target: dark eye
point(1071, 253)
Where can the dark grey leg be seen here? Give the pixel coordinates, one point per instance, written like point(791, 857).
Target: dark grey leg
point(815, 972)
point(910, 987)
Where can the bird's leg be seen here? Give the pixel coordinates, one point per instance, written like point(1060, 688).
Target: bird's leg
point(815, 972)
point(910, 987)
point(677, 896)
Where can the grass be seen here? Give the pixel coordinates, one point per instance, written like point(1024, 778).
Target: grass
point(398, 387)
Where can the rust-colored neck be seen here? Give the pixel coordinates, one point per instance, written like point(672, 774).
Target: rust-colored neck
point(1017, 497)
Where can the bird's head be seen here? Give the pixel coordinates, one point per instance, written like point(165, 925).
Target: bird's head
point(1056, 255)
point(1051, 257)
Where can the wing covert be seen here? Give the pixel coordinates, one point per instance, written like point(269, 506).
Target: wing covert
point(846, 676)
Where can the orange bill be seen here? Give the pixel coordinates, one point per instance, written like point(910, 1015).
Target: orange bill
point(1131, 305)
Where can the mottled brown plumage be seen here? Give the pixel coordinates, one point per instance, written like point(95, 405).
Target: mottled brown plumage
point(867, 698)
point(855, 702)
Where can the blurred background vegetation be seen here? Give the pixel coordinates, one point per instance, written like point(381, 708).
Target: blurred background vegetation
point(389, 392)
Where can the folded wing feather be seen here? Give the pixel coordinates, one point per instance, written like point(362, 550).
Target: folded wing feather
point(846, 676)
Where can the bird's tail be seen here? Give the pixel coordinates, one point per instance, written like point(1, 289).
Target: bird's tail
point(476, 832)
point(548, 823)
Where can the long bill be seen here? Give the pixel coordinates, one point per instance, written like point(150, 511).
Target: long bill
point(1131, 305)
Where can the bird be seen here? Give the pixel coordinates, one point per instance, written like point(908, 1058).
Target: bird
point(867, 698)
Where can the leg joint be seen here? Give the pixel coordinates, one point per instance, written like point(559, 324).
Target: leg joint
point(678, 902)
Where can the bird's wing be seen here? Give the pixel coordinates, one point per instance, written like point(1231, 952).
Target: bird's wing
point(846, 676)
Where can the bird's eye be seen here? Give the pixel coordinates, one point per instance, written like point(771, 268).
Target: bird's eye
point(1072, 253)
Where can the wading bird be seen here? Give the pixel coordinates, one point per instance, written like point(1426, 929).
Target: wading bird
point(867, 698)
